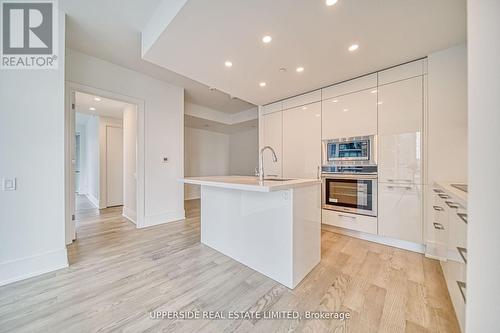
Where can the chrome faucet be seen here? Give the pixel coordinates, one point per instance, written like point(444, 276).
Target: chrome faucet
point(275, 159)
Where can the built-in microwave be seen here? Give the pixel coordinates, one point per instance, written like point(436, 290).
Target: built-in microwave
point(359, 150)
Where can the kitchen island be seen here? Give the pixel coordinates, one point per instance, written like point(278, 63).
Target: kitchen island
point(273, 227)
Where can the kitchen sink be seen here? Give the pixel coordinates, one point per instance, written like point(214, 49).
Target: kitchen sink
point(278, 179)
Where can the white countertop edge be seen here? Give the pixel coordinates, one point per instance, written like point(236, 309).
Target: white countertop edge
point(231, 183)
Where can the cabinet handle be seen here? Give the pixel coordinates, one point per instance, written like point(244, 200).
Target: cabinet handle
point(318, 172)
point(463, 217)
point(347, 216)
point(438, 226)
point(462, 286)
point(436, 190)
point(438, 208)
point(396, 179)
point(443, 196)
point(452, 204)
point(391, 187)
point(463, 253)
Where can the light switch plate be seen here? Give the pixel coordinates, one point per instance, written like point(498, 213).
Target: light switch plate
point(9, 184)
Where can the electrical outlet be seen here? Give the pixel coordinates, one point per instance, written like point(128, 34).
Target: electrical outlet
point(9, 184)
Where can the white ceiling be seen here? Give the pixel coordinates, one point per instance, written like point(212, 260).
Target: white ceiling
point(105, 107)
point(305, 33)
point(110, 30)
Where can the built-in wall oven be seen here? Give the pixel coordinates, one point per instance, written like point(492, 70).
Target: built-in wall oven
point(349, 173)
point(351, 193)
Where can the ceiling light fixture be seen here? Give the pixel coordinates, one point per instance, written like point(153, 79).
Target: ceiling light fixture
point(345, 110)
point(330, 2)
point(380, 103)
point(300, 69)
point(97, 99)
point(92, 108)
point(374, 91)
point(353, 47)
point(262, 84)
point(267, 39)
point(335, 100)
point(228, 63)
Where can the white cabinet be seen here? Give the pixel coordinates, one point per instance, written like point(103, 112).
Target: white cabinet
point(400, 116)
point(350, 221)
point(302, 141)
point(399, 212)
point(273, 107)
point(401, 72)
point(347, 87)
point(308, 98)
point(272, 136)
point(350, 115)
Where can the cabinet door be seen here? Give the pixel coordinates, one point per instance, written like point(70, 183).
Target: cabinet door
point(272, 136)
point(400, 113)
point(400, 212)
point(350, 115)
point(302, 141)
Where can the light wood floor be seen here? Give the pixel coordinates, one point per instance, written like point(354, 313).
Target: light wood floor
point(118, 274)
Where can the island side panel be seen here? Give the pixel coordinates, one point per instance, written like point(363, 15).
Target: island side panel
point(254, 228)
point(306, 230)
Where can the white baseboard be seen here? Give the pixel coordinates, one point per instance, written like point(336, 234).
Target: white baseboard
point(20, 269)
point(129, 214)
point(93, 200)
point(401, 244)
point(152, 220)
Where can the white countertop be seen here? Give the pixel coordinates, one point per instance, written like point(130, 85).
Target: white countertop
point(457, 194)
point(247, 183)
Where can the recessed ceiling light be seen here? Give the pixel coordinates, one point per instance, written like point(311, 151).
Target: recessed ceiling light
point(345, 110)
point(374, 91)
point(97, 99)
point(262, 84)
point(228, 63)
point(353, 47)
point(267, 39)
point(379, 103)
point(335, 100)
point(304, 108)
point(300, 69)
point(92, 108)
point(331, 2)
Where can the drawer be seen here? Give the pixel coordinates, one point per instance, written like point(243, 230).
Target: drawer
point(311, 97)
point(356, 222)
point(361, 83)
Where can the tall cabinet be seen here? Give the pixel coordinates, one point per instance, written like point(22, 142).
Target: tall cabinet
point(400, 120)
point(272, 135)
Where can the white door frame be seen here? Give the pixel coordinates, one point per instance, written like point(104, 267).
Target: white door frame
point(71, 88)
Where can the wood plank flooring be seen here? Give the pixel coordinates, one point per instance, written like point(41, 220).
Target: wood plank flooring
point(119, 273)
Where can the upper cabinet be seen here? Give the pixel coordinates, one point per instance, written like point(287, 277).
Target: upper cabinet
point(400, 117)
point(302, 141)
point(347, 87)
point(354, 114)
point(272, 125)
point(311, 97)
point(401, 72)
point(273, 107)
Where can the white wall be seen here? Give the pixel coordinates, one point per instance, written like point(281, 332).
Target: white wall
point(244, 152)
point(92, 159)
point(32, 133)
point(483, 259)
point(129, 163)
point(163, 130)
point(206, 154)
point(81, 130)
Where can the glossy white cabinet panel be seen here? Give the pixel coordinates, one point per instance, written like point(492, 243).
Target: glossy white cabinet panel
point(400, 211)
point(349, 221)
point(400, 116)
point(302, 141)
point(361, 83)
point(350, 115)
point(402, 72)
point(273, 136)
point(273, 107)
point(310, 97)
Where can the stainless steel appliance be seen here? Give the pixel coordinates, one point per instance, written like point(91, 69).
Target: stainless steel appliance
point(360, 150)
point(349, 173)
